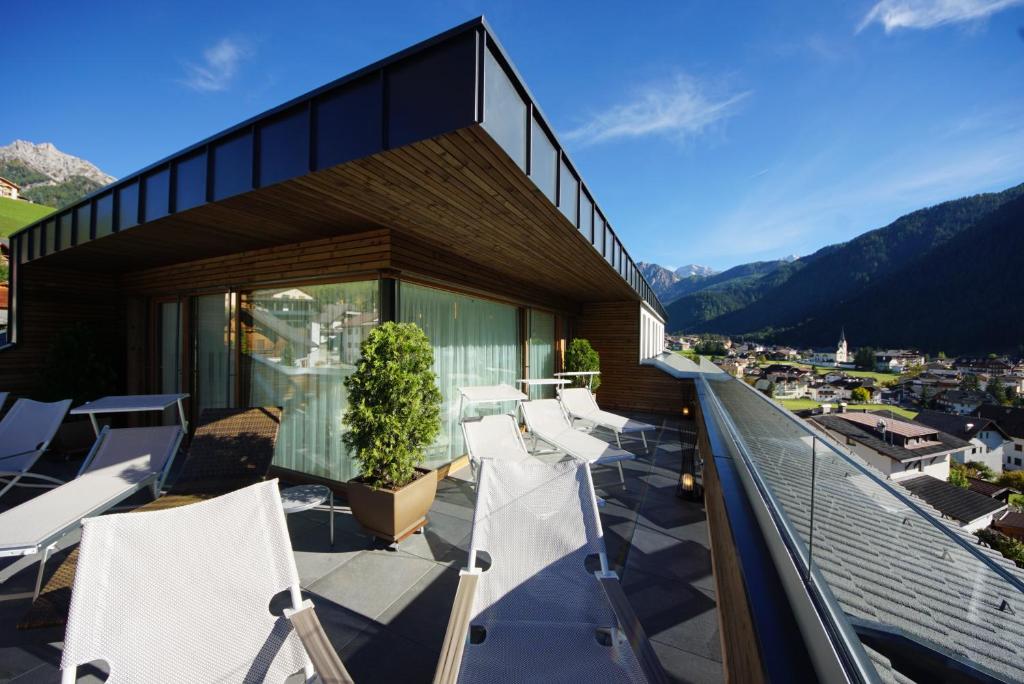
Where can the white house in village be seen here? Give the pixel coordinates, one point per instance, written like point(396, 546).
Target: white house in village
point(840, 356)
point(1011, 422)
point(897, 448)
point(987, 440)
point(9, 188)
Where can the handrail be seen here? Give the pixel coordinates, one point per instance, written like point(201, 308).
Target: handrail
point(844, 638)
point(1012, 579)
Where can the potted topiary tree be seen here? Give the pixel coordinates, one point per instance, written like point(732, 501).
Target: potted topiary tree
point(393, 415)
point(580, 356)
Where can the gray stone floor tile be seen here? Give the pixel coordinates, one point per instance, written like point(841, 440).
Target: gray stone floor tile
point(688, 668)
point(380, 655)
point(372, 581)
point(421, 614)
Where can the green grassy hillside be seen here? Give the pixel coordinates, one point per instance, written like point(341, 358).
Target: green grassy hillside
point(15, 214)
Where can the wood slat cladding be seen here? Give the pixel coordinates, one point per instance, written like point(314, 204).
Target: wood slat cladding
point(459, 191)
point(613, 329)
point(52, 299)
point(340, 256)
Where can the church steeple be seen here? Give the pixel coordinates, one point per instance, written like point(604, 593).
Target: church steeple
point(842, 335)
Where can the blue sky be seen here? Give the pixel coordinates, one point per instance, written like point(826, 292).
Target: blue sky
point(713, 133)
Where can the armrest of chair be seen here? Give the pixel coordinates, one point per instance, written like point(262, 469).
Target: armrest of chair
point(323, 656)
point(455, 636)
point(634, 631)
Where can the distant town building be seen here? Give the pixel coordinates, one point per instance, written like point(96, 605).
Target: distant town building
point(897, 448)
point(1011, 421)
point(841, 355)
point(964, 402)
point(986, 437)
point(9, 188)
point(842, 351)
point(898, 360)
point(973, 511)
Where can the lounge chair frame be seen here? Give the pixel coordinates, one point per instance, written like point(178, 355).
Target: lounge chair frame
point(13, 478)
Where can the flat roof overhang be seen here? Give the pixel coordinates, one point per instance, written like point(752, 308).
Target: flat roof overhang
point(441, 142)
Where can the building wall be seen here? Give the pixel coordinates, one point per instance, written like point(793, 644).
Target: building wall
point(53, 300)
point(1013, 454)
point(613, 328)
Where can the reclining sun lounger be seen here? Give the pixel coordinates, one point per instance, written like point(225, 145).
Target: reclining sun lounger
point(231, 449)
point(199, 607)
point(537, 613)
point(580, 404)
point(493, 436)
point(120, 463)
point(25, 433)
point(546, 420)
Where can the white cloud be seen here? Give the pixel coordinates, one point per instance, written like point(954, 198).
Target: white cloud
point(218, 68)
point(680, 108)
point(925, 14)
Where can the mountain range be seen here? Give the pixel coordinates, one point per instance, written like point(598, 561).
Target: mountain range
point(941, 278)
point(48, 176)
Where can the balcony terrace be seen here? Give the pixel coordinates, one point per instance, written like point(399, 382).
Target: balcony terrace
point(385, 609)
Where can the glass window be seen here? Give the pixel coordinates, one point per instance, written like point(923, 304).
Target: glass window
point(64, 223)
point(284, 147)
point(541, 351)
point(476, 342)
point(609, 243)
point(298, 346)
point(190, 182)
point(157, 192)
point(128, 206)
point(169, 341)
point(586, 217)
point(232, 168)
point(568, 192)
point(82, 226)
point(105, 215)
point(213, 351)
point(504, 111)
point(544, 162)
point(599, 231)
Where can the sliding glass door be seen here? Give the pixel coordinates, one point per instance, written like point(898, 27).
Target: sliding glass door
point(213, 367)
point(541, 351)
point(475, 341)
point(169, 352)
point(298, 346)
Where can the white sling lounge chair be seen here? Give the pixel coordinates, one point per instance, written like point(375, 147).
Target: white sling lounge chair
point(580, 404)
point(493, 436)
point(546, 421)
point(120, 463)
point(25, 433)
point(537, 613)
point(183, 595)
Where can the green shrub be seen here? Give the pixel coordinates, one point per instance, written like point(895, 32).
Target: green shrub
point(394, 406)
point(80, 364)
point(958, 475)
point(580, 357)
point(1008, 546)
point(1013, 478)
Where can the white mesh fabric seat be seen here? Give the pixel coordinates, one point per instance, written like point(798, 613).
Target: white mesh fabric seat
point(495, 436)
point(121, 463)
point(546, 420)
point(538, 603)
point(183, 595)
point(25, 433)
point(579, 402)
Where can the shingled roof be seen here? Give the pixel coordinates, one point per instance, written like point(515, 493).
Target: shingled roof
point(965, 427)
point(1011, 420)
point(860, 433)
point(883, 561)
point(956, 502)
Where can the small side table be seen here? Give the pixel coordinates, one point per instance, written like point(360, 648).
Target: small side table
point(306, 497)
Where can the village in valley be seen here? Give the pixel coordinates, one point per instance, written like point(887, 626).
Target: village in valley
point(949, 429)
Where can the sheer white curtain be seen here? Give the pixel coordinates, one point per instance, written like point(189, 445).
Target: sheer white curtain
point(213, 347)
point(476, 342)
point(300, 344)
point(542, 351)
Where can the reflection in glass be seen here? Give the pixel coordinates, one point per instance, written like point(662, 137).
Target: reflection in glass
point(568, 192)
point(542, 351)
point(298, 346)
point(213, 347)
point(504, 111)
point(544, 162)
point(169, 336)
point(476, 342)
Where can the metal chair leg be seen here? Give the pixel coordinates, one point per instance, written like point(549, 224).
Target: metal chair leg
point(622, 476)
point(617, 440)
point(42, 566)
point(332, 518)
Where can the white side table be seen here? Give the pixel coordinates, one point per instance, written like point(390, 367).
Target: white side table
point(307, 497)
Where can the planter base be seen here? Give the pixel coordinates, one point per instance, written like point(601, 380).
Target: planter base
point(393, 515)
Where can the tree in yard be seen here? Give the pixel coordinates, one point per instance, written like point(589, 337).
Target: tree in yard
point(996, 389)
point(1013, 478)
point(980, 470)
point(580, 356)
point(969, 382)
point(770, 389)
point(860, 395)
point(864, 359)
point(927, 398)
point(942, 355)
point(958, 475)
